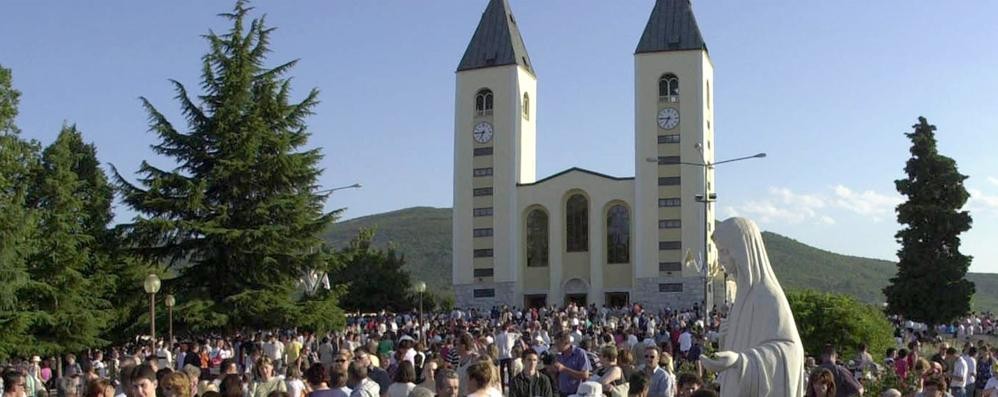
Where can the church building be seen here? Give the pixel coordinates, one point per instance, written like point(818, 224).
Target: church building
point(580, 235)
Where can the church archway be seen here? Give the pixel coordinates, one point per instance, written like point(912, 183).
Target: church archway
point(576, 291)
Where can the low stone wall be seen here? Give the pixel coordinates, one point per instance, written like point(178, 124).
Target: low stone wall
point(464, 295)
point(651, 293)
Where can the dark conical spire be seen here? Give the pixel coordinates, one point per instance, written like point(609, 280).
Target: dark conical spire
point(496, 41)
point(671, 27)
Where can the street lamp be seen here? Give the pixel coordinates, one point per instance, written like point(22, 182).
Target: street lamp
point(706, 198)
point(420, 287)
point(151, 286)
point(169, 301)
point(354, 186)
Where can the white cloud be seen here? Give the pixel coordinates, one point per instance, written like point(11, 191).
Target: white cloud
point(867, 203)
point(993, 180)
point(982, 202)
point(784, 206)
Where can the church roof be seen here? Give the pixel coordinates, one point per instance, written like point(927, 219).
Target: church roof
point(671, 27)
point(577, 169)
point(497, 41)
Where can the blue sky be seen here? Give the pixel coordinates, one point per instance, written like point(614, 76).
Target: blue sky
point(827, 89)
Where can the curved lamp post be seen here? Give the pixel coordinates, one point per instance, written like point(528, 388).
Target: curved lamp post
point(151, 285)
point(170, 301)
point(420, 288)
point(706, 198)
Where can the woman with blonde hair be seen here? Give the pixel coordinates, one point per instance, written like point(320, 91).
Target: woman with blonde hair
point(264, 380)
point(483, 379)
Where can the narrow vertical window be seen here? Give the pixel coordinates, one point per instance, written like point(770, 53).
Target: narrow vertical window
point(708, 96)
point(526, 106)
point(618, 226)
point(577, 224)
point(537, 238)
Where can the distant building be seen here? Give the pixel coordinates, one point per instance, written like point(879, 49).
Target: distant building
point(580, 235)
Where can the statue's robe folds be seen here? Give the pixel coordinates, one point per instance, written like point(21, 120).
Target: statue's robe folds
point(760, 327)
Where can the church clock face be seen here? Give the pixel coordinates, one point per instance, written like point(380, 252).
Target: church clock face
point(668, 118)
point(482, 132)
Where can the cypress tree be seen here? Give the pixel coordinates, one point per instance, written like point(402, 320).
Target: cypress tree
point(18, 163)
point(68, 286)
point(930, 284)
point(238, 219)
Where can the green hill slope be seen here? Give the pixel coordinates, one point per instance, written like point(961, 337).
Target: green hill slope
point(423, 234)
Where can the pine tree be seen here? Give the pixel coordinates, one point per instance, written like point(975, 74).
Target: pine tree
point(239, 219)
point(930, 284)
point(68, 286)
point(18, 163)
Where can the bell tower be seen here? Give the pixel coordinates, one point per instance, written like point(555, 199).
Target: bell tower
point(494, 150)
point(673, 79)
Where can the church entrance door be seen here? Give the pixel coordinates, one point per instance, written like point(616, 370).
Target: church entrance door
point(577, 299)
point(617, 299)
point(535, 301)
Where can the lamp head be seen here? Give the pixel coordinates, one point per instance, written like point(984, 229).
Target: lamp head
point(151, 284)
point(760, 155)
point(419, 286)
point(169, 301)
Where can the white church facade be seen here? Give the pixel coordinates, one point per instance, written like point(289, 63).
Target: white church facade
point(580, 235)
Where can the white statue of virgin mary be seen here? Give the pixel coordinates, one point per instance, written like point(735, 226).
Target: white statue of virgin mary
point(760, 350)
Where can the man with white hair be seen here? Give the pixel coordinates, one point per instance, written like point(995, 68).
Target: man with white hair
point(891, 393)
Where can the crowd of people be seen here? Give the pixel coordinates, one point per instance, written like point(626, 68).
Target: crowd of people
point(945, 371)
point(542, 352)
point(549, 351)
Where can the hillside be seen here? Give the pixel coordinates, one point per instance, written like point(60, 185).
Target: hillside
point(423, 234)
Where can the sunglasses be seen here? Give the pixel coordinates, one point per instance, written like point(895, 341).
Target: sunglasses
point(340, 360)
point(649, 356)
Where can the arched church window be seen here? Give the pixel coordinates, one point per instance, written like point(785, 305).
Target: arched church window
point(483, 102)
point(526, 106)
point(668, 87)
point(618, 226)
point(537, 238)
point(577, 223)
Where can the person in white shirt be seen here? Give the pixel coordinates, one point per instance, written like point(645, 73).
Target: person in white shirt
point(958, 377)
point(968, 357)
point(505, 341)
point(685, 342)
point(164, 356)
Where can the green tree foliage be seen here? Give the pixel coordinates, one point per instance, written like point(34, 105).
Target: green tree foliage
point(9, 99)
point(18, 163)
point(374, 278)
point(839, 320)
point(930, 285)
point(69, 280)
point(238, 220)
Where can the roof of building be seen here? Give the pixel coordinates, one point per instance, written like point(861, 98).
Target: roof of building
point(497, 41)
point(582, 170)
point(671, 27)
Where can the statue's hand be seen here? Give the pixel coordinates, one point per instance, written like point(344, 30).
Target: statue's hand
point(722, 361)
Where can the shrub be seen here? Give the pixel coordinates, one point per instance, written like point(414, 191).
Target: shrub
point(840, 320)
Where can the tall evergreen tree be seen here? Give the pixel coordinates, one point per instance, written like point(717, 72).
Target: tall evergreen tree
point(72, 197)
point(930, 285)
point(18, 163)
point(239, 219)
